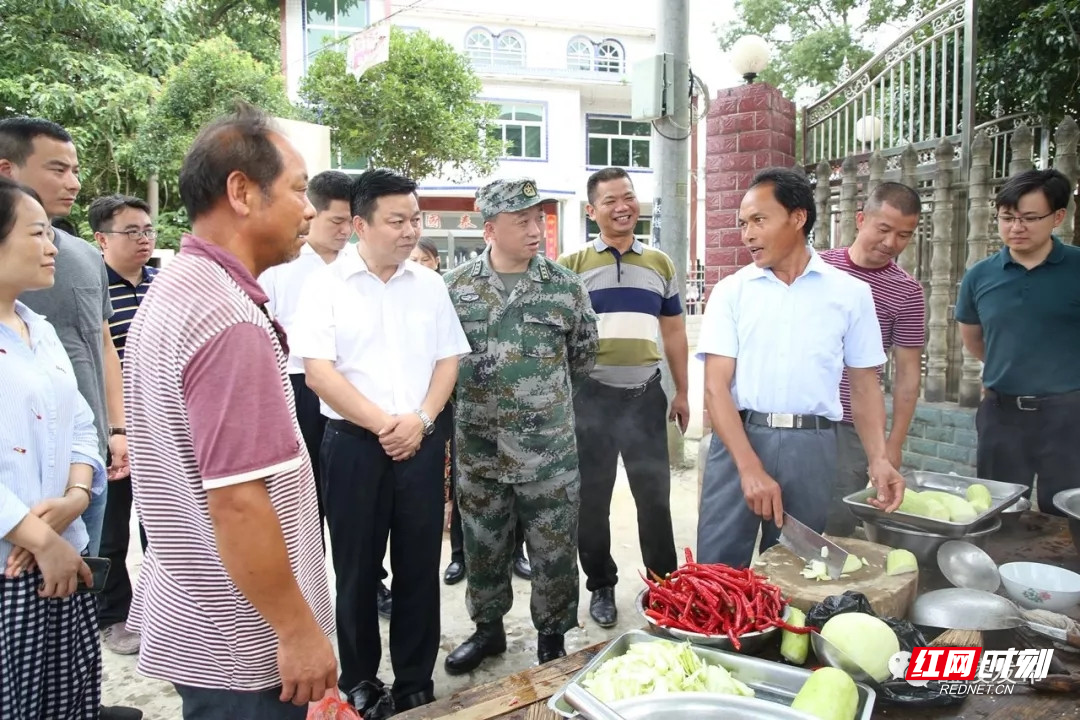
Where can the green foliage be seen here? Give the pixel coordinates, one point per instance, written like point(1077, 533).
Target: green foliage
point(415, 113)
point(91, 66)
point(812, 39)
point(1028, 55)
point(1029, 58)
point(215, 74)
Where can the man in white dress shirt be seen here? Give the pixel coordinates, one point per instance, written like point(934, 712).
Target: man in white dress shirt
point(775, 339)
point(330, 193)
point(381, 341)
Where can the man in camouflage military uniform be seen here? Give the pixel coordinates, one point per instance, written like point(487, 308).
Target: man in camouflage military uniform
point(533, 337)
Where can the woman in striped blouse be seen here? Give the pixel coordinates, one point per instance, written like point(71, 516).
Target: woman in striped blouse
point(50, 659)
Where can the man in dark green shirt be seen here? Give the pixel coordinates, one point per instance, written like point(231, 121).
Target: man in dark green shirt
point(1019, 312)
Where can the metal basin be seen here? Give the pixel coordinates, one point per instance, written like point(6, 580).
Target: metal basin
point(684, 706)
point(1010, 516)
point(751, 643)
point(924, 545)
point(1068, 502)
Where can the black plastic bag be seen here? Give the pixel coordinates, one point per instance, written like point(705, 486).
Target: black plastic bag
point(898, 691)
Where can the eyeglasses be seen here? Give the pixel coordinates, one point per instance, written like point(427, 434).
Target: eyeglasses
point(134, 235)
point(1024, 221)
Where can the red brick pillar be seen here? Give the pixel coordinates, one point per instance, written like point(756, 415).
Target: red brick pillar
point(750, 127)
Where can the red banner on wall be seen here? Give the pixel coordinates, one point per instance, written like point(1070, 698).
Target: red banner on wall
point(551, 235)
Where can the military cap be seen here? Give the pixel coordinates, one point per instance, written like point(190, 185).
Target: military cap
point(511, 195)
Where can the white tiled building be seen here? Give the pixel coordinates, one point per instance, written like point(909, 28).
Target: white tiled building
point(558, 70)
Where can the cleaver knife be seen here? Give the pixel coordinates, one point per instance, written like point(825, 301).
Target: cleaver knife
point(807, 544)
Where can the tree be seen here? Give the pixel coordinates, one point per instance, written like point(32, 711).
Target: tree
point(1028, 57)
point(416, 114)
point(92, 66)
point(214, 75)
point(813, 39)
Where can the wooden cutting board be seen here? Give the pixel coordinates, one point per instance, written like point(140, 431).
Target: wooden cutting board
point(889, 596)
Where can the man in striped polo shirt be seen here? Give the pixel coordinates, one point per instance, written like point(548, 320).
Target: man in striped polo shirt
point(125, 233)
point(232, 601)
point(887, 223)
point(621, 409)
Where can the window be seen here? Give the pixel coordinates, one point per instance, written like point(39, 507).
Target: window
point(520, 127)
point(609, 57)
point(642, 230)
point(606, 56)
point(478, 45)
point(618, 143)
point(510, 50)
point(332, 20)
point(485, 49)
point(579, 54)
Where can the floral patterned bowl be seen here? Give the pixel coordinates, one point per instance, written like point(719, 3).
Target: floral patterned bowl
point(1045, 587)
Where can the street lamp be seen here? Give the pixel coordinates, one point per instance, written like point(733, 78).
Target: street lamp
point(868, 130)
point(749, 56)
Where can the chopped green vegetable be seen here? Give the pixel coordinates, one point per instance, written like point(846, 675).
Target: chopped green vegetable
point(795, 646)
point(816, 570)
point(979, 497)
point(828, 694)
point(899, 562)
point(866, 639)
point(960, 510)
point(660, 666)
point(851, 564)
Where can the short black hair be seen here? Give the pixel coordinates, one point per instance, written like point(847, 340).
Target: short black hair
point(104, 209)
point(1053, 184)
point(17, 137)
point(65, 224)
point(792, 190)
point(371, 185)
point(609, 173)
point(898, 195)
point(237, 142)
point(10, 192)
point(328, 186)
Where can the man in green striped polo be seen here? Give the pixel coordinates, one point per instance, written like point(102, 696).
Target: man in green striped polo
point(621, 409)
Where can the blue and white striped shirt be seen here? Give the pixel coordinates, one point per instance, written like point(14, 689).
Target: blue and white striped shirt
point(46, 426)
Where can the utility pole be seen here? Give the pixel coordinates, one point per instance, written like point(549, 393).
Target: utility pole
point(671, 138)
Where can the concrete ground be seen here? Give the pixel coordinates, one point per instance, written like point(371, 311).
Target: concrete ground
point(125, 686)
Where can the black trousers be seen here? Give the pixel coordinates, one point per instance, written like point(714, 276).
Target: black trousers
point(370, 498)
point(114, 600)
point(312, 426)
point(632, 423)
point(1015, 445)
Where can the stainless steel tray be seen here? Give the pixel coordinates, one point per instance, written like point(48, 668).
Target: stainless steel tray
point(1002, 495)
point(704, 705)
point(771, 681)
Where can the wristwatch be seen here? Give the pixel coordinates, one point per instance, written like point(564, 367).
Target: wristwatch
point(429, 426)
point(117, 431)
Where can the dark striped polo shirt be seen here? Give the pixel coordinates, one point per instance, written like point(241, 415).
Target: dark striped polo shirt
point(126, 299)
point(630, 293)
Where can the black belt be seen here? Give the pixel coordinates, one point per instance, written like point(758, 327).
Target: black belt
point(624, 392)
point(788, 421)
point(1029, 403)
point(348, 427)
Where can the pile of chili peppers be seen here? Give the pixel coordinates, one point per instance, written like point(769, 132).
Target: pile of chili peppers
point(716, 600)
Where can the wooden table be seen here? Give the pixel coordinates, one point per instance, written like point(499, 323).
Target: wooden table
point(1037, 538)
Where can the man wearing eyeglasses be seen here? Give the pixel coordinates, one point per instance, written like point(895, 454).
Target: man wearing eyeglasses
point(125, 233)
point(1019, 312)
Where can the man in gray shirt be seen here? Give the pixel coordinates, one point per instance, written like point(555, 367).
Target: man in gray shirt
point(40, 154)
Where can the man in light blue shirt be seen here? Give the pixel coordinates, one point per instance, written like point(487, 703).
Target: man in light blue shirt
point(775, 339)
